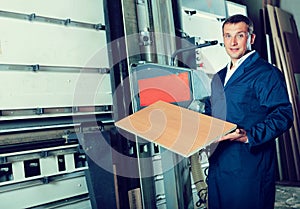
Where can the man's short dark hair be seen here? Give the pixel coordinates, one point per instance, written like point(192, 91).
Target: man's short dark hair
point(239, 18)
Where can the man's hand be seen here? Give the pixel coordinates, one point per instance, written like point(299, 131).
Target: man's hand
point(237, 135)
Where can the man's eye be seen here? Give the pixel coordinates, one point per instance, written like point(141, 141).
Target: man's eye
point(241, 35)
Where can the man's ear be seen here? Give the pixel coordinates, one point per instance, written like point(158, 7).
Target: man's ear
point(252, 38)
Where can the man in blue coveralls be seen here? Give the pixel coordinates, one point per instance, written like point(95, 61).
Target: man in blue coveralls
point(251, 93)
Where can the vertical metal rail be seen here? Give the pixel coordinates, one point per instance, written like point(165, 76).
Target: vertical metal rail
point(144, 151)
point(177, 184)
point(118, 60)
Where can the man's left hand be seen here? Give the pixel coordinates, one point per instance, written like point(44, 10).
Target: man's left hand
point(238, 135)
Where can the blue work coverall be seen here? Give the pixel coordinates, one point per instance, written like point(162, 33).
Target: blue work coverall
point(242, 175)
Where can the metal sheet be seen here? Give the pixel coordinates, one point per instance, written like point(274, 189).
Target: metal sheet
point(86, 11)
point(216, 7)
point(25, 42)
point(209, 27)
point(44, 193)
point(22, 90)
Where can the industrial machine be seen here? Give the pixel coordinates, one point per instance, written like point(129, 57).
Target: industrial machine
point(69, 70)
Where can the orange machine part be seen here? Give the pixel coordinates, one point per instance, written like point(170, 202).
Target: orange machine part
point(169, 88)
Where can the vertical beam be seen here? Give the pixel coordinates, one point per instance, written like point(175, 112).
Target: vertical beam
point(100, 176)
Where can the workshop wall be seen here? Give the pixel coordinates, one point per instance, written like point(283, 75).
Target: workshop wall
point(53, 68)
point(67, 38)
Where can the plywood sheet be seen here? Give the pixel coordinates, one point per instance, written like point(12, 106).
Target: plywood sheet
point(284, 20)
point(286, 49)
point(175, 128)
point(274, 34)
point(293, 50)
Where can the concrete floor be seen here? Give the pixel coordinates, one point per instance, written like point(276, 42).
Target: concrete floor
point(287, 197)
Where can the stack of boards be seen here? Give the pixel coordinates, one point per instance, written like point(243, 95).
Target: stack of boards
point(281, 29)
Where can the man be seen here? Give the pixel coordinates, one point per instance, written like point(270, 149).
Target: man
point(251, 93)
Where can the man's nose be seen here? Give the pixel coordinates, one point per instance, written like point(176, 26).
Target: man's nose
point(233, 40)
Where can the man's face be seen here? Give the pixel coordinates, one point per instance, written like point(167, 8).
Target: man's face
point(237, 40)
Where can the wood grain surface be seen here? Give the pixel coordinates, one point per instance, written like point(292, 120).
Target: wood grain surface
point(175, 128)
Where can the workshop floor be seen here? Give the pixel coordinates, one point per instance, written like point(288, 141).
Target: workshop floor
point(287, 197)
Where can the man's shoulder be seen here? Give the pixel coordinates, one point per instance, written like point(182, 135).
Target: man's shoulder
point(259, 63)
